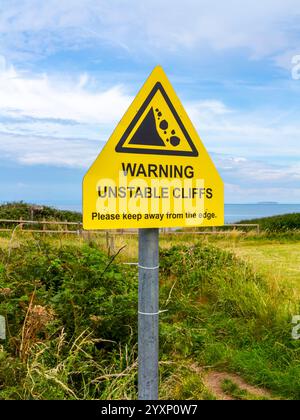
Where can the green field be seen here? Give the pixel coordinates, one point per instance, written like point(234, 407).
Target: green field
point(278, 260)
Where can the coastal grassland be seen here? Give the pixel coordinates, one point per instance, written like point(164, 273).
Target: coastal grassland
point(279, 262)
point(277, 257)
point(70, 305)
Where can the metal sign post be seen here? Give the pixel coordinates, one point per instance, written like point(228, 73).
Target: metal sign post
point(2, 328)
point(148, 314)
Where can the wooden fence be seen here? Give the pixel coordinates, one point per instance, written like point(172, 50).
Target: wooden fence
point(62, 226)
point(76, 228)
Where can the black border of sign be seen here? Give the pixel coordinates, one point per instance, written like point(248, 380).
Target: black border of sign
point(119, 147)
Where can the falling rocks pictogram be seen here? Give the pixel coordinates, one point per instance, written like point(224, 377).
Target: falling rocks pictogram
point(147, 134)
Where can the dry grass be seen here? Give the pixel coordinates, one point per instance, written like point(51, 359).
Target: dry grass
point(36, 319)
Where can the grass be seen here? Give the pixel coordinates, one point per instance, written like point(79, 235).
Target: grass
point(230, 388)
point(279, 262)
point(233, 319)
point(71, 316)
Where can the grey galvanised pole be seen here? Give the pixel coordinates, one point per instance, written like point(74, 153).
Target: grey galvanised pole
point(148, 313)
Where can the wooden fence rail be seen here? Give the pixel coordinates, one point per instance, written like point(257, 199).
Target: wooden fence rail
point(39, 222)
point(64, 224)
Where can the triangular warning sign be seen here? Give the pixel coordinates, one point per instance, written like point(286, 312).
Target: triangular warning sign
point(157, 129)
point(154, 170)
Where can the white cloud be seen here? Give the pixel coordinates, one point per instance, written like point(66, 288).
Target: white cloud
point(156, 27)
point(207, 108)
point(254, 171)
point(248, 180)
point(239, 194)
point(264, 132)
point(35, 150)
point(42, 97)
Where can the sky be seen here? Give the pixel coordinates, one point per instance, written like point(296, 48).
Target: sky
point(69, 69)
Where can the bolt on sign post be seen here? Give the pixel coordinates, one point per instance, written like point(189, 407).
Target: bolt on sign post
point(154, 172)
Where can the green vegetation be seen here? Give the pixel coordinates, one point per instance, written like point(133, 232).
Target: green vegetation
point(72, 316)
point(71, 311)
point(233, 319)
point(17, 210)
point(281, 223)
point(278, 262)
point(233, 390)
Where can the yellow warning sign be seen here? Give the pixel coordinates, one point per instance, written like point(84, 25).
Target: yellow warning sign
point(154, 170)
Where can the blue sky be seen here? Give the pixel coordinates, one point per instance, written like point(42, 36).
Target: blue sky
point(69, 70)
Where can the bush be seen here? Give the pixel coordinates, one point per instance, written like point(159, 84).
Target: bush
point(71, 314)
point(281, 223)
point(18, 210)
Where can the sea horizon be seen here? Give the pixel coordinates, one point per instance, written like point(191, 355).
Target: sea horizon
point(234, 212)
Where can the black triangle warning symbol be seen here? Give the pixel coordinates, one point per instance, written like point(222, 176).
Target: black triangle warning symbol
point(157, 129)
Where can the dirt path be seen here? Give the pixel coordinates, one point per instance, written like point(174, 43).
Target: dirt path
point(214, 380)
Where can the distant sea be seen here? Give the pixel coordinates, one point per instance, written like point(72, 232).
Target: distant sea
point(236, 212)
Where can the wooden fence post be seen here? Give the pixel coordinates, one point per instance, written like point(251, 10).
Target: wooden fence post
point(112, 243)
